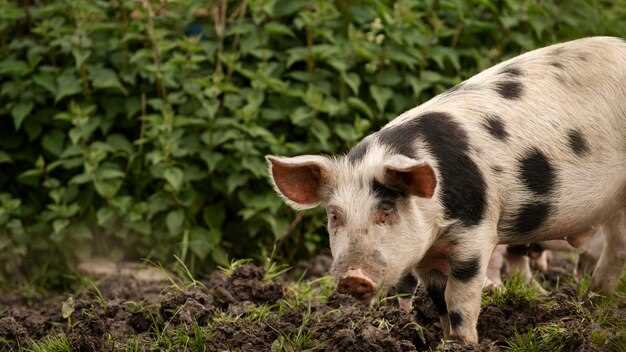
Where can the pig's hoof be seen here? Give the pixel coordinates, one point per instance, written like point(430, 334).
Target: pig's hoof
point(406, 304)
point(492, 285)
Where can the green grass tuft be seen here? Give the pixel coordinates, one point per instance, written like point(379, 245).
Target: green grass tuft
point(545, 338)
point(234, 265)
point(302, 293)
point(53, 343)
point(515, 291)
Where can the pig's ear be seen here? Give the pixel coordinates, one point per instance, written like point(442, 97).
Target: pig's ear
point(299, 179)
point(415, 176)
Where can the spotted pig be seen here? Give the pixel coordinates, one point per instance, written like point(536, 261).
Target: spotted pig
point(531, 149)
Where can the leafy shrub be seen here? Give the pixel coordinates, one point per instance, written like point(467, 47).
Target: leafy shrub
point(142, 125)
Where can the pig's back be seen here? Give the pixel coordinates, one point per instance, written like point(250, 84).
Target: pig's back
point(548, 132)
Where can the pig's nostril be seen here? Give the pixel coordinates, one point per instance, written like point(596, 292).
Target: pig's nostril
point(356, 284)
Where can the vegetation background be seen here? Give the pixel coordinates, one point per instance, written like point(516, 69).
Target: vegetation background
point(137, 129)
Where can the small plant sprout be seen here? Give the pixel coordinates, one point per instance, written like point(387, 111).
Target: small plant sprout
point(185, 274)
point(234, 265)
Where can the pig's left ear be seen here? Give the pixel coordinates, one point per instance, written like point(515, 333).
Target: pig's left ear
point(415, 176)
point(299, 180)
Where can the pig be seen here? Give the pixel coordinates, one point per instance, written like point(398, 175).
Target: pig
point(529, 150)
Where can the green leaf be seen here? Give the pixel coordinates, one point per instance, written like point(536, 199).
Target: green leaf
point(59, 224)
point(67, 308)
point(68, 84)
point(288, 7)
point(353, 80)
point(104, 215)
point(53, 142)
point(12, 67)
point(107, 188)
point(105, 78)
point(174, 177)
point(5, 158)
point(20, 111)
point(30, 177)
point(214, 215)
point(275, 28)
point(174, 221)
point(360, 105)
point(106, 173)
point(203, 241)
point(381, 96)
point(46, 81)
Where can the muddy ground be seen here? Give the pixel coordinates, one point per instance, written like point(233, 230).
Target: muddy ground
point(242, 310)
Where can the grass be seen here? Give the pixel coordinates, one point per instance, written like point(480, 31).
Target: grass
point(234, 265)
point(601, 319)
point(56, 343)
point(302, 293)
point(299, 340)
point(546, 338)
point(515, 291)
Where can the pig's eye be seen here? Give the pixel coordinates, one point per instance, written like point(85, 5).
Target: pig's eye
point(387, 207)
point(385, 214)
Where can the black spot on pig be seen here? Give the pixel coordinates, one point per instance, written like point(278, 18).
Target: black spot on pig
point(462, 184)
point(577, 142)
point(517, 250)
point(357, 153)
point(385, 193)
point(456, 319)
point(509, 89)
point(530, 217)
point(537, 173)
point(512, 71)
point(495, 126)
point(407, 284)
point(436, 294)
point(465, 270)
point(400, 139)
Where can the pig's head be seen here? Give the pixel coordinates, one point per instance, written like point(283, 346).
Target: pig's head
point(381, 211)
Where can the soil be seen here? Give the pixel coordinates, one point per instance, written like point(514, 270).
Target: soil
point(123, 308)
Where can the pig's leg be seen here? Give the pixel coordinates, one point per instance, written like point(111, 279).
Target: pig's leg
point(607, 274)
point(468, 270)
point(542, 262)
point(435, 283)
point(520, 264)
point(494, 277)
point(405, 289)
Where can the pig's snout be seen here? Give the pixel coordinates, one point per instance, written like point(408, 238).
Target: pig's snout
point(357, 284)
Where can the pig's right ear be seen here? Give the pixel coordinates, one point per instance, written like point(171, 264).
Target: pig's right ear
point(415, 176)
point(299, 180)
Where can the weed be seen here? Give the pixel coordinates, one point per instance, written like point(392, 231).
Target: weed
point(300, 340)
point(301, 292)
point(259, 313)
point(551, 337)
point(234, 265)
point(56, 343)
point(514, 292)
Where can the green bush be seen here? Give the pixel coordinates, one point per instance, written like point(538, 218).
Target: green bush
point(142, 125)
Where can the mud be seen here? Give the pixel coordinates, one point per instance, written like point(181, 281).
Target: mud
point(122, 309)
